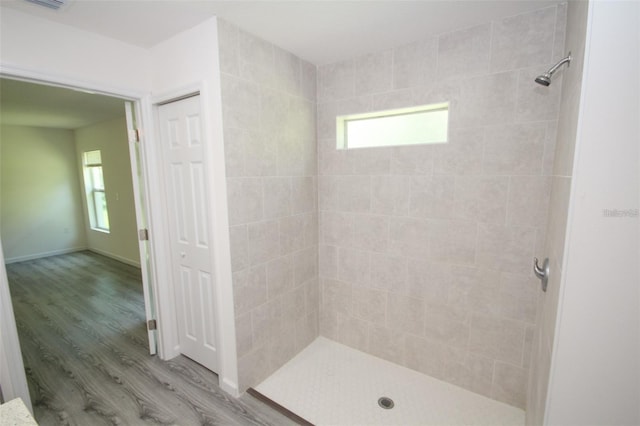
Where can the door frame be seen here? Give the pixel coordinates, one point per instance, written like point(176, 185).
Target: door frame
point(147, 104)
point(211, 108)
point(11, 354)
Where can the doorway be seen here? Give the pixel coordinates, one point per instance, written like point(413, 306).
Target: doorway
point(54, 229)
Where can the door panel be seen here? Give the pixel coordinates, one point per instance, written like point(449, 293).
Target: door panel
point(191, 257)
point(141, 219)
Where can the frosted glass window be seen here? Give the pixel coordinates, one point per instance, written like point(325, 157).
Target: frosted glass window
point(427, 124)
point(95, 190)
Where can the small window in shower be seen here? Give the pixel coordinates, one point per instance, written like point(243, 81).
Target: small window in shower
point(427, 124)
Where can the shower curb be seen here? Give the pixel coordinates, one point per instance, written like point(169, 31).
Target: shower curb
point(279, 408)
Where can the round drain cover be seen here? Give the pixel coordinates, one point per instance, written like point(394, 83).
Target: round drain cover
point(386, 403)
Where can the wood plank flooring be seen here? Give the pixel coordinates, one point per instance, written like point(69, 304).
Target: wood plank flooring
point(81, 325)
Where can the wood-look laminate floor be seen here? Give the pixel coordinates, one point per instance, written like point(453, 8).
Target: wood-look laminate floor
point(81, 325)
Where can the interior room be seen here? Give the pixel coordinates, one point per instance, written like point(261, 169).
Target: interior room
point(442, 271)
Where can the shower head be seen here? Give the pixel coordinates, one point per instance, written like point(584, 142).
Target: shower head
point(545, 79)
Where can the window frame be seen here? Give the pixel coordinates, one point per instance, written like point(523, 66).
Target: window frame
point(342, 122)
point(92, 188)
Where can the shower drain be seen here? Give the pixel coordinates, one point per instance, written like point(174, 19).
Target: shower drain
point(386, 403)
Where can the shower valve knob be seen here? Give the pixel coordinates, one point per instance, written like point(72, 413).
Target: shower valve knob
point(542, 273)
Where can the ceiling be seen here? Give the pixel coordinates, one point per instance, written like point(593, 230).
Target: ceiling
point(34, 105)
point(320, 31)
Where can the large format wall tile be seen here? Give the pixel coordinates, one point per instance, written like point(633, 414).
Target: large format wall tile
point(269, 125)
point(425, 251)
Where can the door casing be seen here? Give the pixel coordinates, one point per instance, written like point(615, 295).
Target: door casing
point(147, 104)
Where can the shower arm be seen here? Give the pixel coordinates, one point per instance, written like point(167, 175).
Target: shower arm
point(559, 64)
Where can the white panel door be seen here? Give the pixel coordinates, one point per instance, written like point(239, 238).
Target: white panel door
point(185, 171)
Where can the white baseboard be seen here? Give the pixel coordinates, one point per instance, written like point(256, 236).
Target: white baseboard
point(43, 254)
point(229, 387)
point(115, 257)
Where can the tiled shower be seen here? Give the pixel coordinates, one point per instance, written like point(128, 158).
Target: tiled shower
point(418, 255)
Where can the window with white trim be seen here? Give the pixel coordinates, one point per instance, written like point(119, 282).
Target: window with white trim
point(427, 124)
point(94, 188)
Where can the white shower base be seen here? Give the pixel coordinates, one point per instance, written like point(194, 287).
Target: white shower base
point(331, 384)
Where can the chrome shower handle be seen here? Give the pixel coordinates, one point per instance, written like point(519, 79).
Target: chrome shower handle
point(542, 273)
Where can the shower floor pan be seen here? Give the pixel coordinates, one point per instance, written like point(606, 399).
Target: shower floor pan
point(331, 384)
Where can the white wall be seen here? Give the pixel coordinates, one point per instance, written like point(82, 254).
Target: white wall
point(41, 212)
point(595, 370)
point(110, 137)
point(60, 52)
point(188, 63)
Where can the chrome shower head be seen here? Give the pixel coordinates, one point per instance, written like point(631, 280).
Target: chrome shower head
point(545, 79)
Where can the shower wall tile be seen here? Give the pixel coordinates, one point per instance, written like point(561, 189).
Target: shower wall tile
point(245, 200)
point(260, 152)
point(336, 296)
point(279, 276)
point(244, 334)
point(277, 197)
point(228, 44)
point(302, 194)
point(370, 161)
point(523, 40)
point(536, 102)
point(264, 241)
point(370, 305)
point(505, 248)
point(256, 59)
point(354, 266)
point(549, 148)
point(518, 297)
point(353, 332)
point(241, 108)
point(497, 338)
point(249, 289)
point(354, 193)
point(336, 81)
point(514, 150)
point(289, 71)
point(374, 72)
point(483, 198)
point(453, 241)
point(405, 313)
point(510, 383)
point(561, 137)
point(328, 261)
point(239, 247)
point(560, 33)
point(429, 248)
point(411, 160)
point(464, 53)
point(415, 64)
point(408, 237)
point(528, 201)
point(447, 325)
point(390, 195)
point(429, 281)
point(469, 371)
point(269, 128)
point(432, 197)
point(386, 343)
point(424, 355)
point(486, 100)
point(463, 154)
